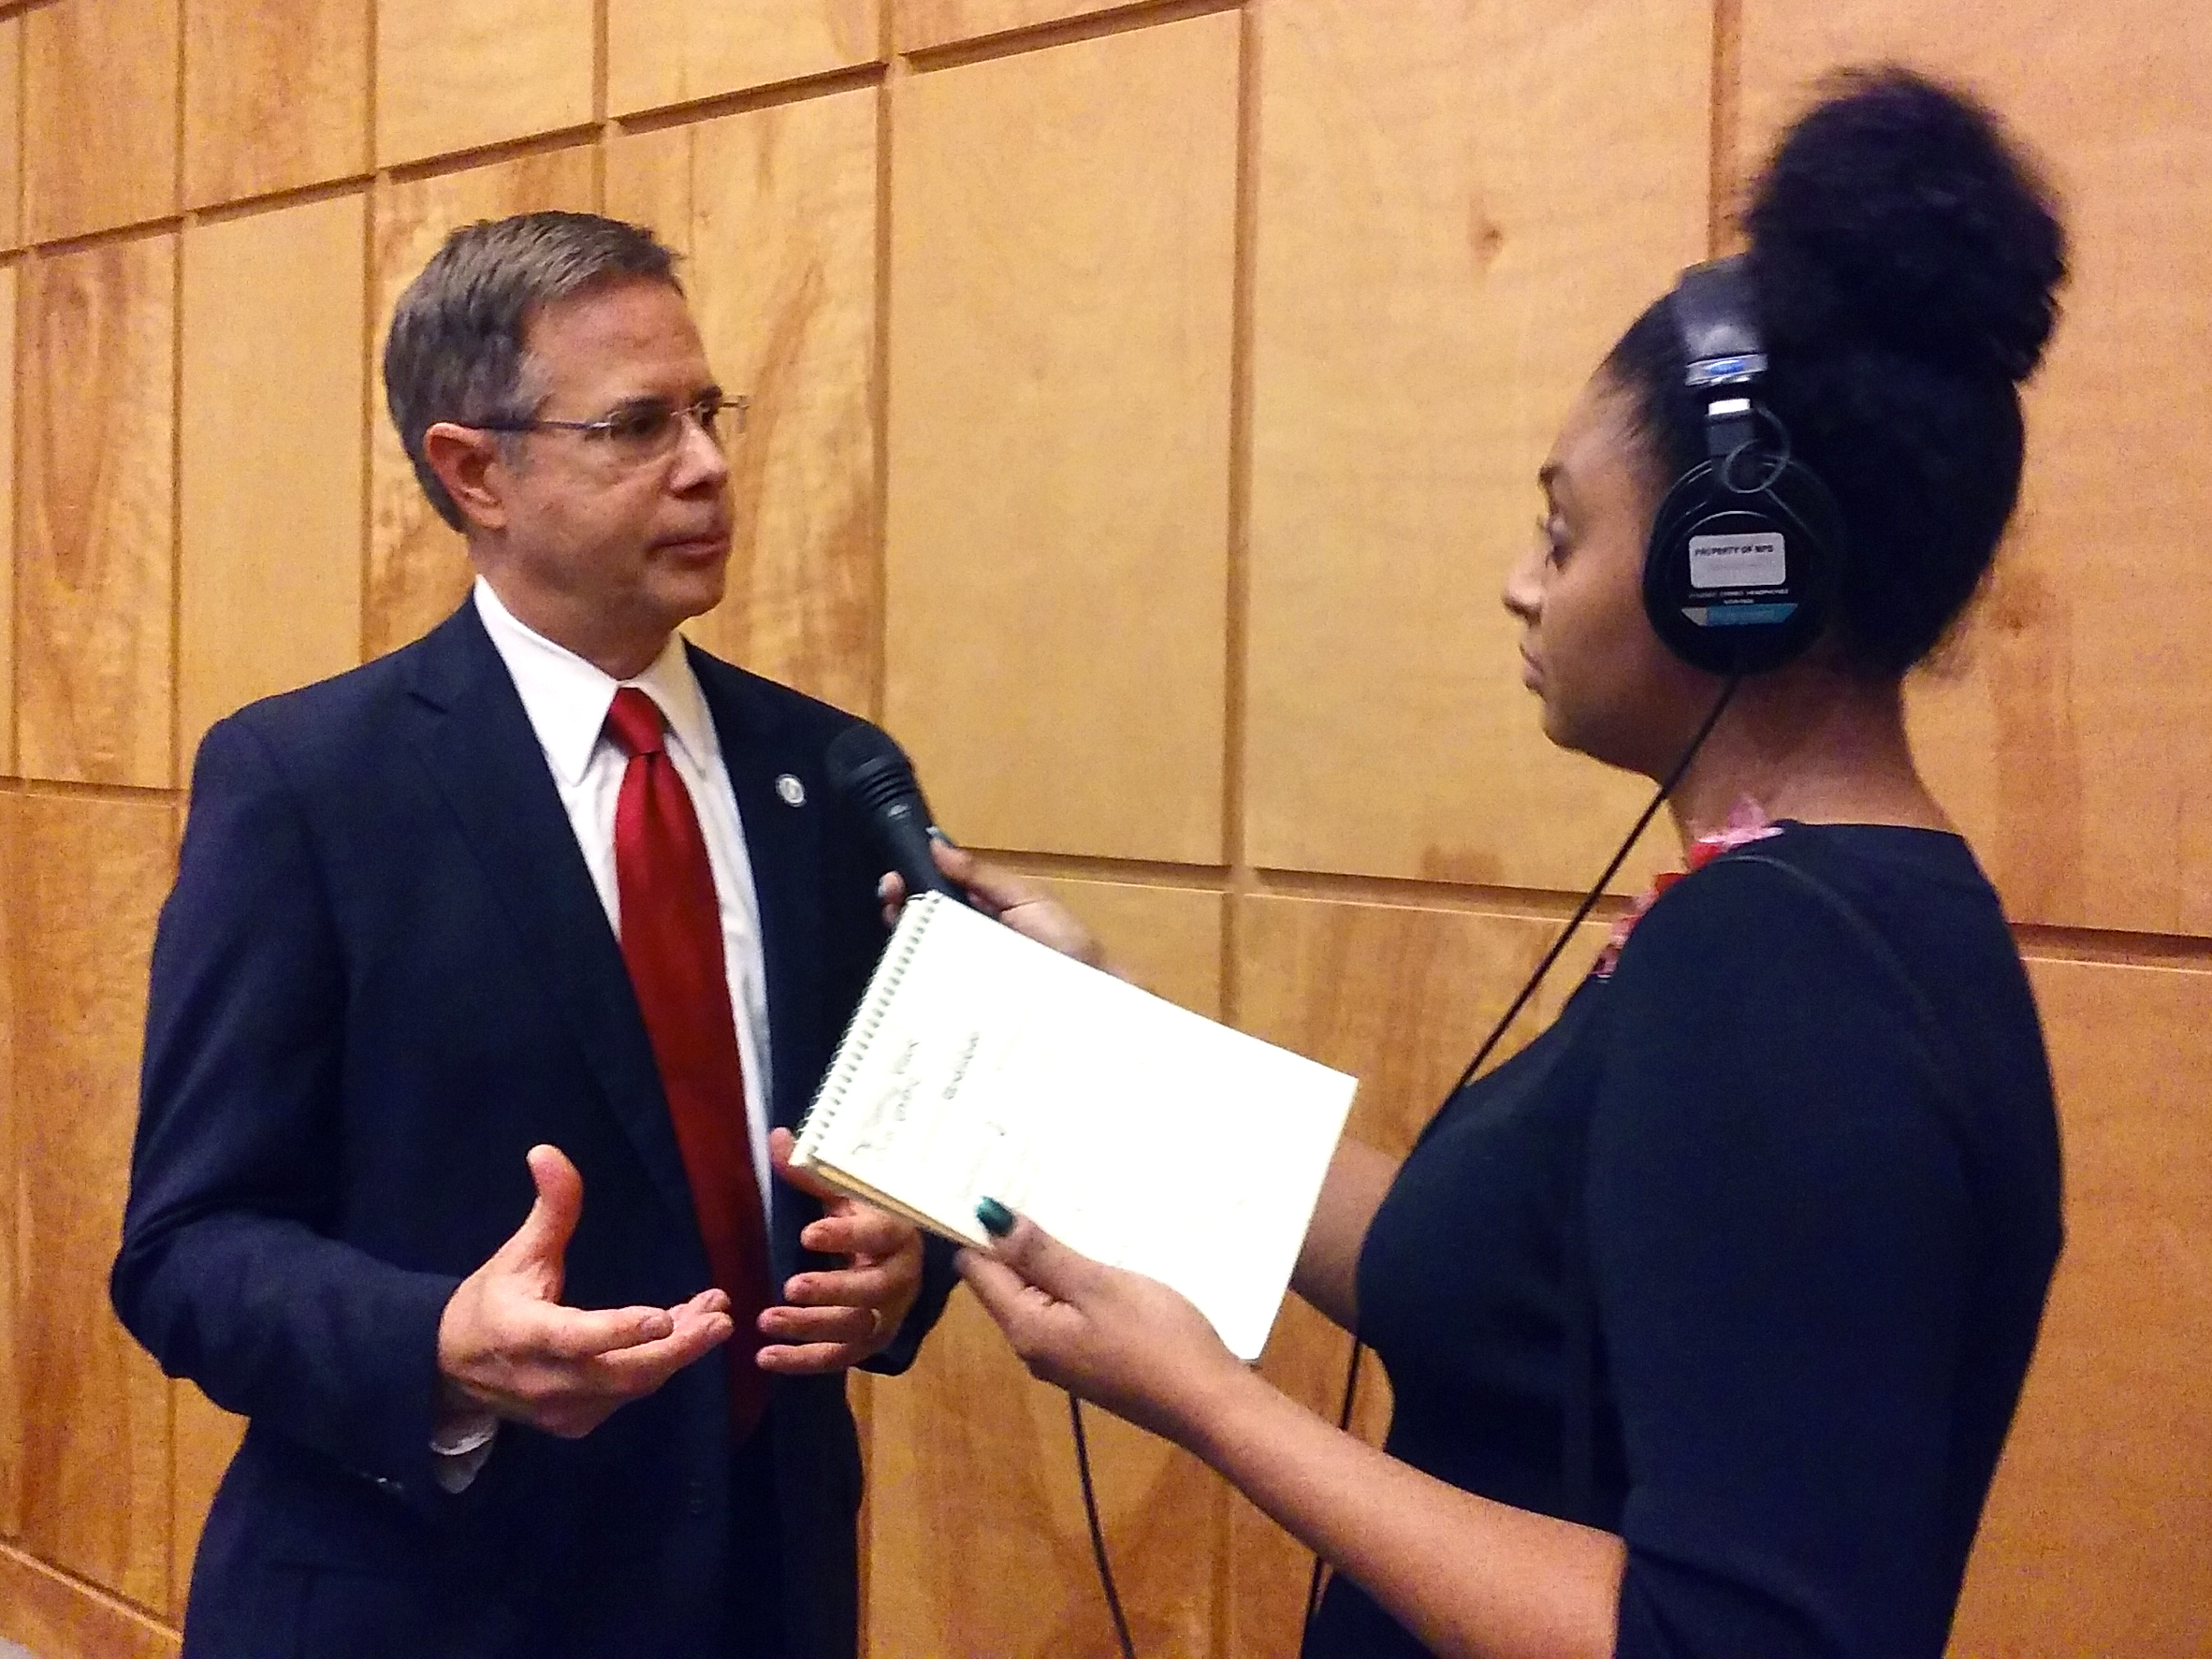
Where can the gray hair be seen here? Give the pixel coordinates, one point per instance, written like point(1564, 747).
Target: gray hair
point(455, 353)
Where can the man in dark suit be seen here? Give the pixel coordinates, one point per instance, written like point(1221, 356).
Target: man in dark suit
point(547, 919)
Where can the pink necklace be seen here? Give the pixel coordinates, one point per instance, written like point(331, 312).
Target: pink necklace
point(1747, 822)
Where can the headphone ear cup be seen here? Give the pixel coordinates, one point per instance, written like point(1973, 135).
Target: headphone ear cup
point(1742, 582)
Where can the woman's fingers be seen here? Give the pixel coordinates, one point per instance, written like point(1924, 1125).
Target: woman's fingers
point(1042, 1260)
point(1002, 1291)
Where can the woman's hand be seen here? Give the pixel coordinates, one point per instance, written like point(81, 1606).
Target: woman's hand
point(1123, 1341)
point(1015, 900)
point(1466, 1574)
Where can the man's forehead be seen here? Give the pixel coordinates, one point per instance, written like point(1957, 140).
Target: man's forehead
point(636, 328)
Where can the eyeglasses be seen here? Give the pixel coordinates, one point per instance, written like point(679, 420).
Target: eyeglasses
point(644, 430)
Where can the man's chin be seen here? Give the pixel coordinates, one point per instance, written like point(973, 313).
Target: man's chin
point(693, 592)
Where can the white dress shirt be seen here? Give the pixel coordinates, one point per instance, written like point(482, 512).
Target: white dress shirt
point(567, 700)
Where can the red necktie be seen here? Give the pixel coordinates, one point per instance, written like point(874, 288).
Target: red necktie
point(672, 940)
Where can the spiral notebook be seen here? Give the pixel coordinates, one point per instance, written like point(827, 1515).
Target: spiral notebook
point(982, 1064)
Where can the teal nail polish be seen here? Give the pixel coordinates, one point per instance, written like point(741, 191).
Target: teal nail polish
point(996, 1218)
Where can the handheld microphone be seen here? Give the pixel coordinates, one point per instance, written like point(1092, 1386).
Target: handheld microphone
point(872, 774)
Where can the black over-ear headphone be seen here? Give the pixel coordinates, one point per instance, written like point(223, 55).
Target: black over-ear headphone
point(1748, 548)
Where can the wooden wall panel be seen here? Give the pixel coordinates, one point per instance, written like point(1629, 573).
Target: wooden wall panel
point(11, 1302)
point(1399, 997)
point(2078, 720)
point(672, 52)
point(1167, 939)
point(57, 1618)
point(270, 498)
point(94, 1423)
point(775, 211)
point(1059, 420)
point(8, 542)
point(926, 23)
point(418, 569)
point(11, 130)
point(1460, 208)
point(2098, 1537)
point(94, 556)
point(276, 95)
point(1449, 212)
point(978, 1542)
point(455, 74)
point(99, 115)
point(206, 1437)
point(976, 1538)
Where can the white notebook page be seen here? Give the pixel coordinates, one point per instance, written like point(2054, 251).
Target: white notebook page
point(1133, 1130)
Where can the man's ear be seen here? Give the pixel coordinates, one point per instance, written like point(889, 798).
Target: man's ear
point(469, 463)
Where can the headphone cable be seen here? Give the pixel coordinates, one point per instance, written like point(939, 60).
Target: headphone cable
point(1497, 1032)
point(1090, 1512)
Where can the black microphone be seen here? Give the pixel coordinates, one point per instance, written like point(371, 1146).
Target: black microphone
point(872, 774)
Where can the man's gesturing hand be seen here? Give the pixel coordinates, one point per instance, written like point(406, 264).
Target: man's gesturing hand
point(507, 1343)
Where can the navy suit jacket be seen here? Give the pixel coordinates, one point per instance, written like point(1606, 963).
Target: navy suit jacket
point(383, 975)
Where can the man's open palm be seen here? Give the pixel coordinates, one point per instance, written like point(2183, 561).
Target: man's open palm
point(507, 1344)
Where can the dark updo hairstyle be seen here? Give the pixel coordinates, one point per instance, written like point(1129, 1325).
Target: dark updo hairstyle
point(1905, 261)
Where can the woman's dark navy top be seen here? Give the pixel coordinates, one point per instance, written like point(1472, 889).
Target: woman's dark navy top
point(1818, 1245)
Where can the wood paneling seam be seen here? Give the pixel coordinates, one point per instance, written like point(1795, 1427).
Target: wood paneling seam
point(599, 100)
point(894, 69)
point(372, 211)
point(577, 136)
point(114, 1606)
point(177, 495)
point(1238, 600)
point(65, 789)
point(1725, 136)
point(61, 247)
point(23, 133)
point(290, 196)
point(380, 190)
point(1120, 20)
point(26, 267)
point(775, 95)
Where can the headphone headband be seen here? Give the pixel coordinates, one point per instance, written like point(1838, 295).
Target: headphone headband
point(1712, 310)
point(1726, 358)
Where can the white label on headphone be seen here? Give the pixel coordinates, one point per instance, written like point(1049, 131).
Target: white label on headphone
point(1739, 562)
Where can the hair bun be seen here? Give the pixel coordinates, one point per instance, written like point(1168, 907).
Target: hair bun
point(1897, 211)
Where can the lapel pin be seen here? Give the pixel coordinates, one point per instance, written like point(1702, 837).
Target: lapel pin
point(791, 790)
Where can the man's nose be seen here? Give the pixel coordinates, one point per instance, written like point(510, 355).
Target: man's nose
point(700, 460)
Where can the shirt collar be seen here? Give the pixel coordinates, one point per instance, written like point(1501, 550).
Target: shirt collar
point(567, 698)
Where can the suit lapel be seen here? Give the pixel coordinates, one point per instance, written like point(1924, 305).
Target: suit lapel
point(782, 842)
point(479, 748)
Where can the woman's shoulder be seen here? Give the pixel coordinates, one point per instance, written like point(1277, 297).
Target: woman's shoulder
point(1858, 948)
point(1915, 894)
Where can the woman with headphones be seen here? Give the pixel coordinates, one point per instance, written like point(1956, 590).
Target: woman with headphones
point(1706, 1313)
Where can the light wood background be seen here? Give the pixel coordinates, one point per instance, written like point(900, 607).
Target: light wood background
point(1147, 400)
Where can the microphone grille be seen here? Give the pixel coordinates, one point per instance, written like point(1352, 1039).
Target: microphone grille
point(867, 766)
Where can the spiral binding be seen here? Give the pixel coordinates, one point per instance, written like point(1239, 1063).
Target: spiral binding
point(860, 1030)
